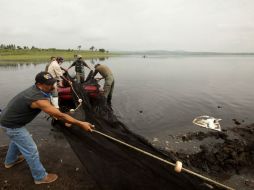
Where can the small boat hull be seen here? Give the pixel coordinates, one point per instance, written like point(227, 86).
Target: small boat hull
point(65, 93)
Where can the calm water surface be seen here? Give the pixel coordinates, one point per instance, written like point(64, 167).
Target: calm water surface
point(160, 96)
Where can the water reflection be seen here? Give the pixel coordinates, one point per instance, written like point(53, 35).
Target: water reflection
point(17, 66)
point(97, 60)
point(13, 64)
point(24, 65)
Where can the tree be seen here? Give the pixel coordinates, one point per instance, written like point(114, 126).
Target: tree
point(92, 48)
point(102, 50)
point(79, 47)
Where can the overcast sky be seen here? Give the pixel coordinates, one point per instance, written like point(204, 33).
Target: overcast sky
point(192, 25)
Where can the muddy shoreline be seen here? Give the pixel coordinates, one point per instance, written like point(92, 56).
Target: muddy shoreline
point(233, 154)
point(228, 156)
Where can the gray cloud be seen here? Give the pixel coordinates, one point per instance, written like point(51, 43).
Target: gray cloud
point(195, 25)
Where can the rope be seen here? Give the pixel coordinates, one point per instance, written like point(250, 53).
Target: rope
point(163, 160)
point(74, 91)
point(80, 103)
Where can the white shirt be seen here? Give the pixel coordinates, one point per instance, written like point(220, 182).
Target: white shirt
point(55, 70)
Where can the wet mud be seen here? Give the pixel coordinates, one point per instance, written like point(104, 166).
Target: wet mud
point(230, 154)
point(235, 153)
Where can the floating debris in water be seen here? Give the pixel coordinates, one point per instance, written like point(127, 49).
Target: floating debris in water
point(155, 139)
point(207, 122)
point(166, 148)
point(236, 122)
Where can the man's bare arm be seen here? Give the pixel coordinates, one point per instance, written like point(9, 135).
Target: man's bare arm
point(45, 106)
point(86, 65)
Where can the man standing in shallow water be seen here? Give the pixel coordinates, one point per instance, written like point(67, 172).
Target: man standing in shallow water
point(79, 64)
point(106, 74)
point(22, 109)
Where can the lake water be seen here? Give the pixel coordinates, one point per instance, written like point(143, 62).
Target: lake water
point(159, 96)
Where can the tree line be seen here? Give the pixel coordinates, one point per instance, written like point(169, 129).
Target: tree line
point(92, 48)
point(12, 46)
point(17, 47)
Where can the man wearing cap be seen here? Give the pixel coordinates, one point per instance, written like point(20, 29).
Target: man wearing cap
point(54, 68)
point(79, 68)
point(106, 74)
point(22, 109)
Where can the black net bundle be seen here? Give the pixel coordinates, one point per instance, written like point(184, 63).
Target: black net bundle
point(114, 166)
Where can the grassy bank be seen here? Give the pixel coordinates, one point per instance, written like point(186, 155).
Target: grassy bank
point(44, 55)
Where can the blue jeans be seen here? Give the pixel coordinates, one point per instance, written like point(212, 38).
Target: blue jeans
point(22, 142)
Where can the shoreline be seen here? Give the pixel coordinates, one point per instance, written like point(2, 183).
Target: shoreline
point(36, 56)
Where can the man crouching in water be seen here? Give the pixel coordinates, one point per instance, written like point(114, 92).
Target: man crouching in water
point(22, 109)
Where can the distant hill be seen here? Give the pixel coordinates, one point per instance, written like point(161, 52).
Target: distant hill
point(183, 53)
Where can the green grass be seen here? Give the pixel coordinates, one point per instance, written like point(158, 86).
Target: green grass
point(14, 56)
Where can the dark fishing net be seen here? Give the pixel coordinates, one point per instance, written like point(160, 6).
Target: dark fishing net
point(114, 166)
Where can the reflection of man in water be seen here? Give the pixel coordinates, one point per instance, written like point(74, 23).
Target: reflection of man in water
point(21, 110)
point(106, 74)
point(79, 68)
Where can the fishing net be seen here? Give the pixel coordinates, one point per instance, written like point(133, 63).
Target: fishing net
point(114, 166)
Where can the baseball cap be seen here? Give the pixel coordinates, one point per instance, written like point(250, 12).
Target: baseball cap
point(79, 56)
point(59, 59)
point(97, 65)
point(45, 78)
